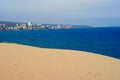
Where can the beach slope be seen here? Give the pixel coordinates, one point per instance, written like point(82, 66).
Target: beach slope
point(19, 62)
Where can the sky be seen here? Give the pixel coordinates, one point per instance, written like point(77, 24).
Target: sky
point(84, 12)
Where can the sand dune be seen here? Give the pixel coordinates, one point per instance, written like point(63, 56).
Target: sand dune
point(19, 62)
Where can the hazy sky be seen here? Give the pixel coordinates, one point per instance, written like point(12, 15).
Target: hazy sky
point(89, 12)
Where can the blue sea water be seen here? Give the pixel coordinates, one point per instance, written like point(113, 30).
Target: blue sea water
point(105, 41)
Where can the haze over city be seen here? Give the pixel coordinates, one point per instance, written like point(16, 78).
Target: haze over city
point(83, 12)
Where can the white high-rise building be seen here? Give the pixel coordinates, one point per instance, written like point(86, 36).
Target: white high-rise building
point(17, 25)
point(29, 24)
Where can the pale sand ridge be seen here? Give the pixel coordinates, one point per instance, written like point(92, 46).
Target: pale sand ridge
point(19, 62)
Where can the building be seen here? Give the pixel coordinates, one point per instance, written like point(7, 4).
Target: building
point(29, 24)
point(22, 25)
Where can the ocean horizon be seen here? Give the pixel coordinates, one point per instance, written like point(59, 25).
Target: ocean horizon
point(99, 40)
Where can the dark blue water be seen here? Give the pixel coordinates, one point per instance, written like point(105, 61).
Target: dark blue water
point(104, 41)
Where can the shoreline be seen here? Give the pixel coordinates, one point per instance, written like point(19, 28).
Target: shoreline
point(100, 54)
point(5, 42)
point(21, 62)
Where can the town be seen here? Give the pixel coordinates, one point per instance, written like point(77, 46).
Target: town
point(31, 26)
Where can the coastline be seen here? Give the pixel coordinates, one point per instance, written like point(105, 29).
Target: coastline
point(21, 62)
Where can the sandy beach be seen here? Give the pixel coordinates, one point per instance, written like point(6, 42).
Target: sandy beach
point(20, 62)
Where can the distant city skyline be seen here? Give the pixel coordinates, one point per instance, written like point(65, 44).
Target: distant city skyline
point(81, 12)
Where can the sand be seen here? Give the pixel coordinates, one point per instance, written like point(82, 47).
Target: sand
point(20, 62)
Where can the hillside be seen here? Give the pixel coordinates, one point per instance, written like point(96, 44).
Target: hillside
point(9, 23)
point(81, 26)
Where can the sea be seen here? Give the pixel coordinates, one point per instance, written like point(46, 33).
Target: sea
point(99, 40)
